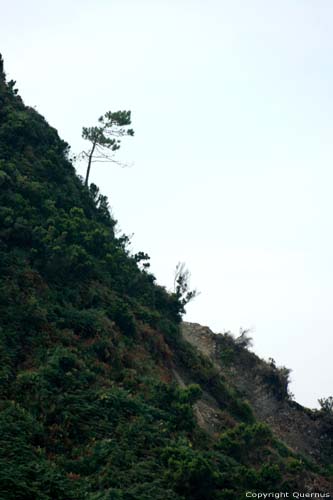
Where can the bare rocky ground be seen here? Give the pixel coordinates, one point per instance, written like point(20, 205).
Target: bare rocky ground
point(264, 386)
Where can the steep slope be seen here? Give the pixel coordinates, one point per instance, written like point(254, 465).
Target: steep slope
point(100, 396)
point(265, 386)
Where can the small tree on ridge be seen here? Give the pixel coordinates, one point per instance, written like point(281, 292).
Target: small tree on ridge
point(105, 138)
point(181, 285)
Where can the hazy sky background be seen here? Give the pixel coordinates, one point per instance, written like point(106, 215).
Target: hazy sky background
point(232, 107)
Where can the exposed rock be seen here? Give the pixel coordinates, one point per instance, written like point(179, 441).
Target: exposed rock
point(305, 431)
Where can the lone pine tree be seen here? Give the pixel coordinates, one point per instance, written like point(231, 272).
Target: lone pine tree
point(105, 138)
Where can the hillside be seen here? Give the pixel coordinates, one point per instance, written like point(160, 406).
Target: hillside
point(265, 387)
point(102, 396)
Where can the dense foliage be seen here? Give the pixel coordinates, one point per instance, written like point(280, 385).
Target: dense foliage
point(88, 342)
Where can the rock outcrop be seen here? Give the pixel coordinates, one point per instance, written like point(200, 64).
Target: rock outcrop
point(305, 431)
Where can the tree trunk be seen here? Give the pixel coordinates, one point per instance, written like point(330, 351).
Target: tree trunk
point(89, 163)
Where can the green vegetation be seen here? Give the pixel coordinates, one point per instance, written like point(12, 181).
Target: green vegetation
point(88, 342)
point(182, 285)
point(326, 405)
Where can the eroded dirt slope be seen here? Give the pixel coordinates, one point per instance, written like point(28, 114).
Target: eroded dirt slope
point(264, 385)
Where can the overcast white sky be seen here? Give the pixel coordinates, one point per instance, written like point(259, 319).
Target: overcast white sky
point(233, 112)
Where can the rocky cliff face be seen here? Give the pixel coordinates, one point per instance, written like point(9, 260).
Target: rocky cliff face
point(305, 431)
